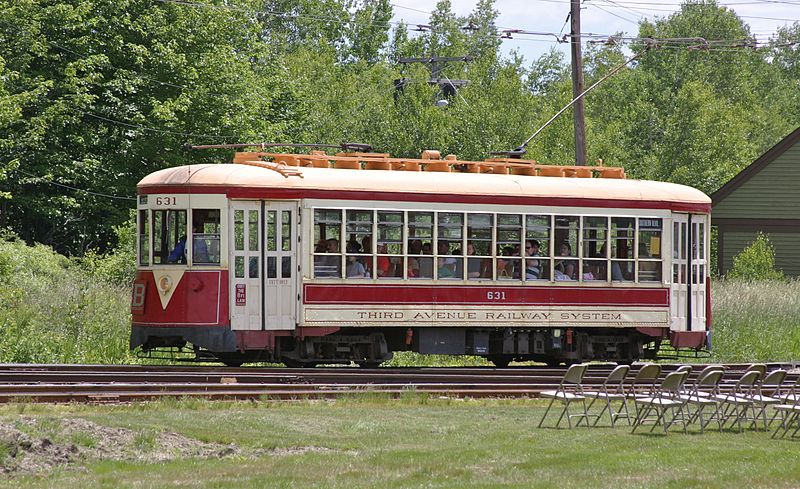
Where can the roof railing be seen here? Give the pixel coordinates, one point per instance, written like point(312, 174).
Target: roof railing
point(430, 161)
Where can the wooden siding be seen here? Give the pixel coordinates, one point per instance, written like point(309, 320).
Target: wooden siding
point(771, 193)
point(787, 249)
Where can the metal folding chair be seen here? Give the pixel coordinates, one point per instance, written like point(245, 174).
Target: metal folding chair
point(569, 390)
point(666, 398)
point(612, 390)
point(789, 412)
point(737, 403)
point(757, 367)
point(702, 394)
point(644, 383)
point(768, 394)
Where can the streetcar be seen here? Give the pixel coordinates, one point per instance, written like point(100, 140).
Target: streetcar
point(316, 258)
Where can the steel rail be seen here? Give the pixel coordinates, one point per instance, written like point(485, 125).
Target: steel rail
point(134, 383)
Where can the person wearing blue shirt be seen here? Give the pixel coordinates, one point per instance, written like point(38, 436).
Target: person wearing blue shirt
point(178, 254)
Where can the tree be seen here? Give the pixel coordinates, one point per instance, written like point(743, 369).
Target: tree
point(109, 91)
point(369, 31)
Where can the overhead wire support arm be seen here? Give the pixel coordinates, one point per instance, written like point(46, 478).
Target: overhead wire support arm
point(521, 149)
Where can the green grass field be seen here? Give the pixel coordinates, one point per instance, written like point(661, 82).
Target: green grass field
point(370, 441)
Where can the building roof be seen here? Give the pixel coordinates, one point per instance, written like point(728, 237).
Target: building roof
point(752, 169)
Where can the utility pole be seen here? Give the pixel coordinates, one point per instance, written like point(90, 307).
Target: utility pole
point(577, 81)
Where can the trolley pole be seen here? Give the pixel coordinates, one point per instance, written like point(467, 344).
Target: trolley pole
point(577, 82)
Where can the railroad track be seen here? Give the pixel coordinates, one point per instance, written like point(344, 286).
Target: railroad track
point(132, 383)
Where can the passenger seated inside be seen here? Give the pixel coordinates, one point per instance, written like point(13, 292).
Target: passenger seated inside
point(565, 269)
point(533, 267)
point(355, 269)
point(505, 266)
point(616, 272)
point(387, 266)
point(473, 264)
point(327, 266)
point(446, 267)
point(178, 254)
point(426, 263)
point(199, 247)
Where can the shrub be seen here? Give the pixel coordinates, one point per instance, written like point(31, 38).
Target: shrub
point(119, 266)
point(756, 262)
point(53, 311)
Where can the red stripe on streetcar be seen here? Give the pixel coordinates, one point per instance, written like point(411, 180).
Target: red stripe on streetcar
point(292, 193)
point(453, 295)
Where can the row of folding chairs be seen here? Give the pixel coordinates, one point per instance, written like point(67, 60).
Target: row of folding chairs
point(677, 400)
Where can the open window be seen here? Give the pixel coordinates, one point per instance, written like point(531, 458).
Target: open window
point(205, 236)
point(169, 237)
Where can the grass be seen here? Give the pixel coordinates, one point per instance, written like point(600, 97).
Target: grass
point(756, 321)
point(439, 443)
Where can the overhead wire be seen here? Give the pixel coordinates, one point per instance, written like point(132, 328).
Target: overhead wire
point(90, 192)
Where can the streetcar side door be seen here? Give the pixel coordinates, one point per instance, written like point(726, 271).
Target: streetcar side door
point(281, 272)
point(689, 270)
point(245, 269)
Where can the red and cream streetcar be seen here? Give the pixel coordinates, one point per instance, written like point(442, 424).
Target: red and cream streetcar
point(317, 258)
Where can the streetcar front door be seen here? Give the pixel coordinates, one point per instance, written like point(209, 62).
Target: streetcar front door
point(689, 270)
point(280, 256)
point(246, 265)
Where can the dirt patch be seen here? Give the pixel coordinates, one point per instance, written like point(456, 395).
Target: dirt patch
point(29, 455)
point(36, 446)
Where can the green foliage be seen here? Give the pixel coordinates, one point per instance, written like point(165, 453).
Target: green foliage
point(756, 262)
point(118, 267)
point(110, 91)
point(52, 311)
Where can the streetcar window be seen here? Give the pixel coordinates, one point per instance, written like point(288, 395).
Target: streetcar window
point(623, 234)
point(480, 228)
point(649, 249)
point(537, 248)
point(144, 237)
point(238, 230)
point(252, 231)
point(271, 231)
point(205, 236)
point(594, 265)
point(449, 247)
point(389, 248)
point(327, 251)
point(420, 242)
point(699, 252)
point(359, 244)
point(509, 247)
point(565, 235)
point(169, 237)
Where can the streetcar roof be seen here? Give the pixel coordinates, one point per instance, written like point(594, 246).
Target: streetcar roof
point(237, 180)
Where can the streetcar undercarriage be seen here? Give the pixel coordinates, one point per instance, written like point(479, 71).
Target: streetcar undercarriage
point(499, 345)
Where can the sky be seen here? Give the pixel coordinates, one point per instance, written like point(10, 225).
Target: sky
point(598, 16)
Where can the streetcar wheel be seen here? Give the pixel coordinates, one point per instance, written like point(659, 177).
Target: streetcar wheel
point(369, 364)
point(230, 360)
point(499, 361)
point(292, 363)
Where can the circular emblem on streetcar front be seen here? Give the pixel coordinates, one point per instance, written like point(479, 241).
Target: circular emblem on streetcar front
point(164, 284)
